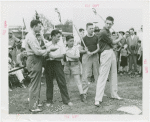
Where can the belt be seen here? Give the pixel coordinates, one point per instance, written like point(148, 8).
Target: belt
point(72, 62)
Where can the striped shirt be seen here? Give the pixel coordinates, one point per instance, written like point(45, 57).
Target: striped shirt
point(105, 40)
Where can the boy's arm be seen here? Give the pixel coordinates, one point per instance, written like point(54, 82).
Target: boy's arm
point(76, 56)
point(82, 50)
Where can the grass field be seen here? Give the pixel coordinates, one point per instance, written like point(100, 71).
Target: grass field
point(128, 88)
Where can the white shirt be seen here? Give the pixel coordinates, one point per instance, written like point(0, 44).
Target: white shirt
point(132, 36)
point(60, 50)
point(73, 51)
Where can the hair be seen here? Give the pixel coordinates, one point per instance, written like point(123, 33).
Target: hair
point(113, 32)
point(131, 29)
point(135, 33)
point(110, 18)
point(35, 23)
point(69, 37)
point(139, 41)
point(37, 35)
point(88, 24)
point(55, 32)
point(121, 32)
point(96, 29)
point(81, 29)
point(127, 32)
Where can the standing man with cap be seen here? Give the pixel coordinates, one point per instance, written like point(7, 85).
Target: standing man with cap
point(107, 63)
point(34, 64)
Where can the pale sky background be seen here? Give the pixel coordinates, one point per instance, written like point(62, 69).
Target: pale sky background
point(27, 11)
point(123, 18)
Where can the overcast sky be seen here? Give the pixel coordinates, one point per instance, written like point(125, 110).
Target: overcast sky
point(26, 10)
point(123, 18)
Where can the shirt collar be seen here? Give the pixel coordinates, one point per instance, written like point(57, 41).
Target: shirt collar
point(90, 36)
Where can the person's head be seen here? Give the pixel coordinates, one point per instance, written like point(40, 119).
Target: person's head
point(89, 28)
point(109, 22)
point(113, 33)
point(121, 32)
point(10, 49)
point(55, 35)
point(81, 30)
point(10, 34)
point(36, 25)
point(96, 30)
point(38, 36)
point(131, 30)
point(127, 34)
point(70, 41)
point(139, 43)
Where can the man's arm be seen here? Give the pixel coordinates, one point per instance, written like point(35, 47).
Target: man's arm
point(117, 40)
point(59, 56)
point(35, 48)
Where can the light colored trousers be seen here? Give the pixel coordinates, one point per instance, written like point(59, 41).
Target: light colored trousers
point(107, 67)
point(89, 64)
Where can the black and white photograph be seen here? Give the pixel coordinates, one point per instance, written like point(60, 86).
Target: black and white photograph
point(74, 59)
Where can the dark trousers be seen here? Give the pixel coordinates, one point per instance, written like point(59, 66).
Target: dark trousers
point(133, 60)
point(56, 68)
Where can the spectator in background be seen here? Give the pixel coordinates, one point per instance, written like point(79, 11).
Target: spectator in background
point(81, 30)
point(22, 58)
point(127, 34)
point(12, 42)
point(140, 58)
point(123, 64)
point(116, 48)
point(12, 65)
point(18, 49)
point(132, 42)
point(96, 31)
point(140, 34)
point(123, 41)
